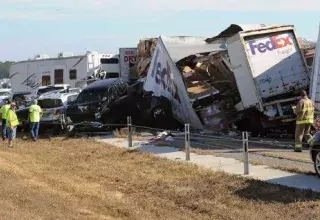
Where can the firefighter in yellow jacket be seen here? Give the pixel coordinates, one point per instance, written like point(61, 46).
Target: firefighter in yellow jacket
point(305, 115)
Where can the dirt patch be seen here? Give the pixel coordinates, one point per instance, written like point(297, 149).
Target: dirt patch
point(83, 179)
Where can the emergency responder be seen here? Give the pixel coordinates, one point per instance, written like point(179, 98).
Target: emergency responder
point(11, 123)
point(35, 113)
point(3, 113)
point(305, 114)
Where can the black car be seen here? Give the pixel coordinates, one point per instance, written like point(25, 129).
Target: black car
point(92, 102)
point(110, 101)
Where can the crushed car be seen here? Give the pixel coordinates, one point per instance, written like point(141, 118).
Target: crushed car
point(54, 106)
point(53, 103)
point(91, 104)
point(110, 101)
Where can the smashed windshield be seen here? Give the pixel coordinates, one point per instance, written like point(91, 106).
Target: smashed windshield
point(50, 103)
point(92, 96)
point(5, 93)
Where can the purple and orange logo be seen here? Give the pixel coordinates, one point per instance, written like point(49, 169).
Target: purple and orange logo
point(273, 43)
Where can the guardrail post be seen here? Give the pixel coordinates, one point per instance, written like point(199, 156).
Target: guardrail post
point(187, 141)
point(245, 143)
point(129, 123)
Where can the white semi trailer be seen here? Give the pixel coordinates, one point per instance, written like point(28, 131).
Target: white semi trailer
point(65, 69)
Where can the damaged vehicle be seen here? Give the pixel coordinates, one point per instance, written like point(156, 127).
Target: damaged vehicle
point(52, 88)
point(54, 106)
point(92, 103)
point(22, 99)
point(106, 104)
point(246, 77)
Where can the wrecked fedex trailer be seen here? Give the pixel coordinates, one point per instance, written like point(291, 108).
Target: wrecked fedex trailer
point(270, 70)
point(272, 57)
point(258, 75)
point(165, 79)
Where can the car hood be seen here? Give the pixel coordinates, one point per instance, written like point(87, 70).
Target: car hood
point(85, 108)
point(4, 97)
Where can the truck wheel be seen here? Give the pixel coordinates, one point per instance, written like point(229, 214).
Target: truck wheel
point(256, 127)
point(316, 156)
point(254, 133)
point(25, 127)
point(56, 129)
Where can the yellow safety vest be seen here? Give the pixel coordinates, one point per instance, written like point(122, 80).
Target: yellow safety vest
point(12, 119)
point(34, 112)
point(4, 110)
point(304, 112)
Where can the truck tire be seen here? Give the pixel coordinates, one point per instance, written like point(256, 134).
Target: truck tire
point(316, 162)
point(254, 133)
point(162, 116)
point(256, 127)
point(250, 125)
point(56, 129)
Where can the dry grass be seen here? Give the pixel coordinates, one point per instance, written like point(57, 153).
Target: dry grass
point(82, 179)
point(200, 151)
point(123, 133)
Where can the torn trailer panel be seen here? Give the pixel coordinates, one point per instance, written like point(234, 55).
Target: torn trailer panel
point(211, 88)
point(165, 79)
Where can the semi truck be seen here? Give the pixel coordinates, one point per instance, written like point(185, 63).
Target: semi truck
point(264, 65)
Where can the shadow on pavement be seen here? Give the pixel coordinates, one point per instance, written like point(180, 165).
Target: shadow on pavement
point(147, 148)
point(260, 191)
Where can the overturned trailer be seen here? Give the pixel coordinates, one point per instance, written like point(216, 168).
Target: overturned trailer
point(165, 79)
point(248, 77)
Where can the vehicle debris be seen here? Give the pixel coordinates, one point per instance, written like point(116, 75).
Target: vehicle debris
point(200, 76)
point(247, 78)
point(146, 48)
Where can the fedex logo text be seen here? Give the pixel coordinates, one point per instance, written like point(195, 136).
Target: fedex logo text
point(273, 43)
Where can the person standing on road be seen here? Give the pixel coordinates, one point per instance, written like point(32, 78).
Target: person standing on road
point(11, 123)
point(35, 114)
point(3, 113)
point(305, 115)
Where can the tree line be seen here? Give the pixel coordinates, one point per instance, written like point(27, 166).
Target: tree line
point(5, 69)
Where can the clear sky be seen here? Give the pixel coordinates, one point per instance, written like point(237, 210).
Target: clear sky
point(29, 27)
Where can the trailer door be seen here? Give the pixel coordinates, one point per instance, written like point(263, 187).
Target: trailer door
point(277, 68)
